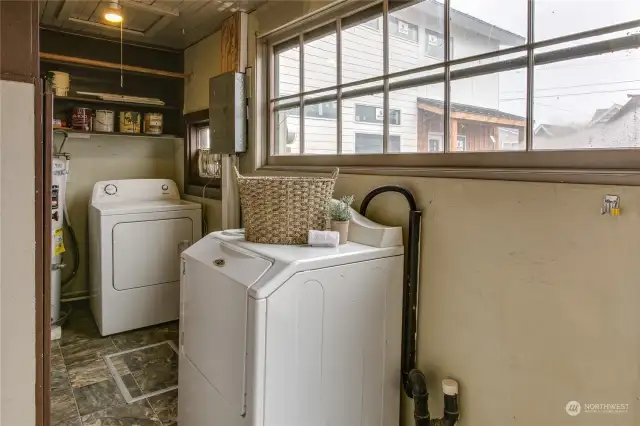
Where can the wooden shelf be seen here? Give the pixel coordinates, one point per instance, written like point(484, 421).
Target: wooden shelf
point(83, 99)
point(92, 63)
point(86, 135)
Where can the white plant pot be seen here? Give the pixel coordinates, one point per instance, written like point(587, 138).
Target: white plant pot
point(341, 226)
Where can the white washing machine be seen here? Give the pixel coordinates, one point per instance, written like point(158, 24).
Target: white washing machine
point(276, 335)
point(137, 230)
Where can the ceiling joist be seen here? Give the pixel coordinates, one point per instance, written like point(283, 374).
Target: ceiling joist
point(65, 11)
point(149, 8)
point(106, 27)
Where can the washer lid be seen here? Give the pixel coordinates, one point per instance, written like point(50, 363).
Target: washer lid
point(129, 207)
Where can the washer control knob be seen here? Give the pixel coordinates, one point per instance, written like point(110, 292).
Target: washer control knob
point(111, 189)
point(165, 187)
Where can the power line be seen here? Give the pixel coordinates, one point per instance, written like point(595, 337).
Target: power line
point(573, 94)
point(577, 85)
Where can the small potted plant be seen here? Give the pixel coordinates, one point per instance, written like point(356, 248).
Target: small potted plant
point(340, 216)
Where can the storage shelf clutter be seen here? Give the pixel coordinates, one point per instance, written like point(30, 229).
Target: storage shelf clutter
point(88, 100)
point(79, 134)
point(90, 93)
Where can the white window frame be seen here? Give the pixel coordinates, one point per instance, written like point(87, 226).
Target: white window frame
point(604, 166)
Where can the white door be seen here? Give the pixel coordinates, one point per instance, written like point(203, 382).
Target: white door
point(148, 252)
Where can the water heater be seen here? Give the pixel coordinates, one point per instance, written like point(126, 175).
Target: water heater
point(58, 189)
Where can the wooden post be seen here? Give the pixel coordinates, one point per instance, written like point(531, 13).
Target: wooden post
point(453, 138)
point(233, 45)
point(233, 54)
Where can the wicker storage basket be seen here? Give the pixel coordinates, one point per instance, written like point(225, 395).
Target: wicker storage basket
point(282, 210)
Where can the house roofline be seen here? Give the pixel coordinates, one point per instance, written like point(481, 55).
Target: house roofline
point(485, 28)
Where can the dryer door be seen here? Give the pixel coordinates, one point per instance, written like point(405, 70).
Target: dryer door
point(148, 252)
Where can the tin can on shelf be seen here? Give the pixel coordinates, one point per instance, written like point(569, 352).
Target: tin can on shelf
point(153, 123)
point(81, 119)
point(59, 82)
point(129, 122)
point(103, 121)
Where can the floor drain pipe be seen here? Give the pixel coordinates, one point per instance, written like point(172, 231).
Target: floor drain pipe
point(414, 381)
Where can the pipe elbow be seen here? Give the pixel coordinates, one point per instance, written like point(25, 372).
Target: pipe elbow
point(418, 383)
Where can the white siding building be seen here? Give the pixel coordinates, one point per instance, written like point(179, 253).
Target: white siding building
point(415, 40)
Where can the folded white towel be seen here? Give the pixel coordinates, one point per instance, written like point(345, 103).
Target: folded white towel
point(324, 238)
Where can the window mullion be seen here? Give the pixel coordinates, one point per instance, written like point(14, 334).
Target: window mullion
point(301, 115)
point(447, 77)
point(385, 71)
point(339, 82)
point(530, 67)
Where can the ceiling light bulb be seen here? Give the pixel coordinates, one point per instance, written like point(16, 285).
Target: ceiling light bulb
point(114, 13)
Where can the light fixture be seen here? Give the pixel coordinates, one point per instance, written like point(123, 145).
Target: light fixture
point(114, 13)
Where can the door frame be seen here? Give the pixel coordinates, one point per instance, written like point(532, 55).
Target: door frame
point(20, 62)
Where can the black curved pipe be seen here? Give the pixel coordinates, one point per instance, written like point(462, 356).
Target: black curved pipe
point(388, 188)
point(410, 290)
point(420, 395)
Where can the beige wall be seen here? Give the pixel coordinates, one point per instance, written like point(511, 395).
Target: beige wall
point(202, 60)
point(528, 296)
point(17, 255)
point(105, 158)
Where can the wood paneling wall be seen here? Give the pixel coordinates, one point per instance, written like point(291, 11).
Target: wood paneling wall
point(19, 40)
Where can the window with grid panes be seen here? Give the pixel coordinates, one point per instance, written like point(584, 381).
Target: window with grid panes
point(515, 75)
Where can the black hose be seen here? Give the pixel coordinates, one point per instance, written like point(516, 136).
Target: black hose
point(414, 381)
point(66, 135)
point(388, 188)
point(76, 259)
point(410, 288)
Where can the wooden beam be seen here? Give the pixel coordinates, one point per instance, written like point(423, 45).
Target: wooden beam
point(453, 135)
point(105, 26)
point(230, 44)
point(150, 8)
point(110, 65)
point(474, 117)
point(233, 46)
point(65, 11)
point(157, 26)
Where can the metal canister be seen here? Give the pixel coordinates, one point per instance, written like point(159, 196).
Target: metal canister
point(153, 123)
point(81, 119)
point(129, 122)
point(103, 121)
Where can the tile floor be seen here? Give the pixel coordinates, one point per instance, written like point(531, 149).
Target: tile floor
point(83, 392)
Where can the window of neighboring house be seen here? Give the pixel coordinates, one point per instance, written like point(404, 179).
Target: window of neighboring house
point(403, 29)
point(456, 103)
point(199, 166)
point(322, 110)
point(434, 44)
point(367, 143)
point(373, 114)
point(435, 142)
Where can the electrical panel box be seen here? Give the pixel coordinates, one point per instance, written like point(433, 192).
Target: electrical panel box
point(227, 113)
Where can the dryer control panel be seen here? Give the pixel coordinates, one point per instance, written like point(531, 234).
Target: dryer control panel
point(135, 190)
